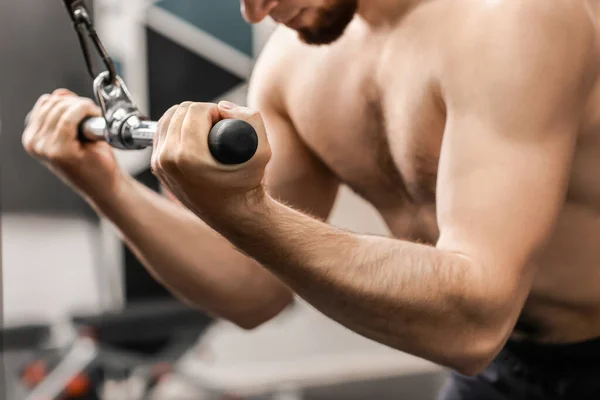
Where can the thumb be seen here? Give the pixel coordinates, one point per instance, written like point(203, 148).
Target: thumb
point(229, 110)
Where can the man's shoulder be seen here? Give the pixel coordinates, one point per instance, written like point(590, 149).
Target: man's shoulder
point(527, 37)
point(501, 37)
point(456, 24)
point(541, 20)
point(275, 67)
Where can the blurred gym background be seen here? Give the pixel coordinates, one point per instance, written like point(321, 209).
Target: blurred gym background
point(63, 267)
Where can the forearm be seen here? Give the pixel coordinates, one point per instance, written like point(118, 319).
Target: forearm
point(412, 297)
point(191, 259)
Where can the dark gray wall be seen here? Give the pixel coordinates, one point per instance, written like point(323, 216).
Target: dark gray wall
point(39, 52)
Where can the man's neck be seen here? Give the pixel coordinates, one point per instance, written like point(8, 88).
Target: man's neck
point(379, 13)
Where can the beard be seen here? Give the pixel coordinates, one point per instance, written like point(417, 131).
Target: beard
point(330, 23)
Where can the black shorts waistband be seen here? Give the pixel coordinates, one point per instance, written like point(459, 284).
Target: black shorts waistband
point(543, 352)
point(557, 358)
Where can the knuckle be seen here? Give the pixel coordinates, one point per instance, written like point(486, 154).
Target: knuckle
point(158, 168)
point(50, 103)
point(189, 122)
point(39, 149)
point(27, 137)
point(28, 145)
point(169, 165)
point(202, 112)
point(54, 154)
point(59, 109)
point(155, 164)
point(254, 116)
point(169, 161)
point(180, 156)
point(66, 124)
point(167, 116)
point(253, 113)
point(53, 98)
point(204, 106)
point(58, 155)
point(95, 109)
point(160, 127)
point(163, 158)
point(62, 92)
point(43, 98)
point(171, 110)
point(85, 102)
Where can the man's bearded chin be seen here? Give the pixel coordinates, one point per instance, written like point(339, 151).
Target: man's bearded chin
point(330, 23)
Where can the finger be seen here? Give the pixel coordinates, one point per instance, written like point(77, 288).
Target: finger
point(253, 117)
point(68, 124)
point(171, 142)
point(62, 143)
point(63, 92)
point(50, 132)
point(38, 147)
point(36, 130)
point(201, 117)
point(38, 104)
point(57, 95)
point(55, 114)
point(161, 132)
point(33, 122)
point(174, 133)
point(46, 108)
point(163, 126)
point(35, 110)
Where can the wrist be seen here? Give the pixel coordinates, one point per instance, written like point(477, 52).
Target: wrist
point(253, 204)
point(236, 213)
point(112, 196)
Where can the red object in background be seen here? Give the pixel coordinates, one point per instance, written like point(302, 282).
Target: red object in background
point(79, 386)
point(35, 373)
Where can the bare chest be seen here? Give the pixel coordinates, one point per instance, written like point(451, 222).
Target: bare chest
point(386, 153)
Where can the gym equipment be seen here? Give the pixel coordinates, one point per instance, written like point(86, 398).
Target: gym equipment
point(137, 346)
point(21, 345)
point(230, 141)
point(123, 126)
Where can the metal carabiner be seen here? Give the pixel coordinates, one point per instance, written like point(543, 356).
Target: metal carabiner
point(126, 128)
point(83, 25)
